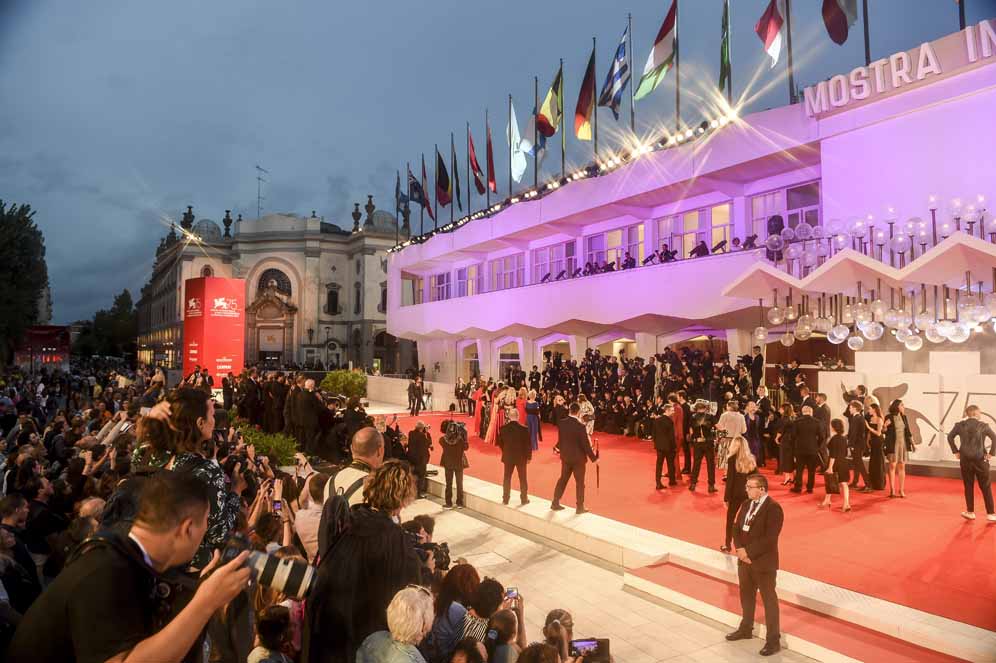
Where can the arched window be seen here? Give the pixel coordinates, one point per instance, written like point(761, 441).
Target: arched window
point(358, 302)
point(277, 278)
point(207, 271)
point(332, 301)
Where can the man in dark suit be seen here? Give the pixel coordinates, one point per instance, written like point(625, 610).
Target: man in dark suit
point(419, 448)
point(857, 440)
point(664, 443)
point(758, 524)
point(809, 439)
point(516, 452)
point(822, 413)
point(309, 411)
point(757, 368)
point(575, 450)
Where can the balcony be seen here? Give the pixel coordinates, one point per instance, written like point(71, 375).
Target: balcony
point(655, 299)
point(336, 311)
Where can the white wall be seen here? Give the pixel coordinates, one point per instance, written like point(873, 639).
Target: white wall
point(395, 392)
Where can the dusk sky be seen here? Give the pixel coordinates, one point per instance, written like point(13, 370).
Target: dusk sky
point(117, 114)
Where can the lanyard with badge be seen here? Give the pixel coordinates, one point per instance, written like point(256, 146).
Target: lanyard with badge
point(751, 515)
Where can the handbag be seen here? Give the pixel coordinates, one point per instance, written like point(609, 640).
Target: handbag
point(465, 461)
point(832, 483)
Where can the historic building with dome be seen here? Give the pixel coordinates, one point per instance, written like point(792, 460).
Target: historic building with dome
point(316, 293)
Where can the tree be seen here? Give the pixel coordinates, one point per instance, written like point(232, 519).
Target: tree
point(23, 274)
point(113, 330)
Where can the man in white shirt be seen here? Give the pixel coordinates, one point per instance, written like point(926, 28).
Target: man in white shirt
point(368, 454)
point(307, 519)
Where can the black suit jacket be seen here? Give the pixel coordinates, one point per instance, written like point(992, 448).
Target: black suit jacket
point(663, 432)
point(761, 542)
point(809, 437)
point(572, 441)
point(757, 369)
point(513, 438)
point(857, 433)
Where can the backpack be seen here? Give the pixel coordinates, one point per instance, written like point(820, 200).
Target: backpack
point(336, 518)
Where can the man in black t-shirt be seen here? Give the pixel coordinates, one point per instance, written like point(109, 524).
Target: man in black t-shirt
point(105, 606)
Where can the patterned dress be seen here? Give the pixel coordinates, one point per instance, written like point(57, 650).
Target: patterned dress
point(225, 504)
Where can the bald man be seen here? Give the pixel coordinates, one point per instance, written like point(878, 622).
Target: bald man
point(368, 454)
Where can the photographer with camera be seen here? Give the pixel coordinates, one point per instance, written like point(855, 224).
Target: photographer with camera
point(118, 601)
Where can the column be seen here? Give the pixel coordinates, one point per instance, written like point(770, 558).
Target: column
point(740, 342)
point(646, 345)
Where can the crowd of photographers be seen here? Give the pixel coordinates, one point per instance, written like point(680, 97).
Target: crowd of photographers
point(138, 525)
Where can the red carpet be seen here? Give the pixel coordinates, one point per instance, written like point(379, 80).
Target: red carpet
point(916, 551)
point(837, 635)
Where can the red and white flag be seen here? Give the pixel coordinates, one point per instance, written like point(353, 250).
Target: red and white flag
point(839, 16)
point(770, 27)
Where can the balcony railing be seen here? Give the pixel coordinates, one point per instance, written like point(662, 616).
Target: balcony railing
point(579, 273)
point(337, 311)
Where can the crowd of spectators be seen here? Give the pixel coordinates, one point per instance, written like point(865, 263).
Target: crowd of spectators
point(136, 524)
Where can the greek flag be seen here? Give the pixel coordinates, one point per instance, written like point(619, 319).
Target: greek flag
point(617, 79)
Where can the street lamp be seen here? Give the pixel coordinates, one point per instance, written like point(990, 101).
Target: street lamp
point(328, 332)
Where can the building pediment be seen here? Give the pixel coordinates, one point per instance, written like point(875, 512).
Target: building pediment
point(271, 304)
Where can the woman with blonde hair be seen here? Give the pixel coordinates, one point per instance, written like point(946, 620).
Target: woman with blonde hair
point(740, 464)
point(367, 565)
point(409, 619)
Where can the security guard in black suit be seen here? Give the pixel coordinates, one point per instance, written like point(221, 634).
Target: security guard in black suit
point(758, 524)
point(575, 451)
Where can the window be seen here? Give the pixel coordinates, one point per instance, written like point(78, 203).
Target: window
point(411, 289)
point(553, 260)
point(207, 271)
point(332, 301)
point(470, 280)
point(275, 278)
point(795, 204)
point(508, 360)
point(508, 272)
point(439, 287)
point(802, 205)
point(594, 249)
point(383, 299)
point(358, 303)
point(722, 228)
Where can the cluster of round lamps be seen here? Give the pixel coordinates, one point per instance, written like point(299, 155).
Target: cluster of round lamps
point(869, 321)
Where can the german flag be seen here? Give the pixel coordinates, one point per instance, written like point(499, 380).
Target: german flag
point(586, 102)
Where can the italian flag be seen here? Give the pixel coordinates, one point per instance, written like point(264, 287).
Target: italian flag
point(661, 55)
point(769, 29)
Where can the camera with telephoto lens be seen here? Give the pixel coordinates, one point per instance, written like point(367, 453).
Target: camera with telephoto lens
point(291, 577)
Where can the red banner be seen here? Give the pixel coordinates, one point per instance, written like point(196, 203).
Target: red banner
point(214, 326)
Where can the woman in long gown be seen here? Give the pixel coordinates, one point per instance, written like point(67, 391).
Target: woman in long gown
point(475, 398)
point(533, 420)
point(484, 412)
point(875, 423)
point(520, 404)
point(497, 415)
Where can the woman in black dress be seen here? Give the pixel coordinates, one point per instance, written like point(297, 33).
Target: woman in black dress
point(876, 463)
point(786, 443)
point(739, 465)
point(839, 463)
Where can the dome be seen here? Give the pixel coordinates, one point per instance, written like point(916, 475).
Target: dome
point(207, 230)
point(383, 220)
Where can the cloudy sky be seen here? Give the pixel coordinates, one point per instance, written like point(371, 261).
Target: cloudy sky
point(116, 114)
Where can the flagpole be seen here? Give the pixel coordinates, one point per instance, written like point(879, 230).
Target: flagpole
point(961, 14)
point(435, 185)
point(487, 183)
point(594, 98)
point(453, 188)
point(788, 35)
point(563, 124)
point(408, 179)
point(629, 58)
point(535, 132)
point(397, 205)
point(864, 9)
point(421, 211)
point(509, 136)
point(677, 71)
point(729, 53)
point(469, 208)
